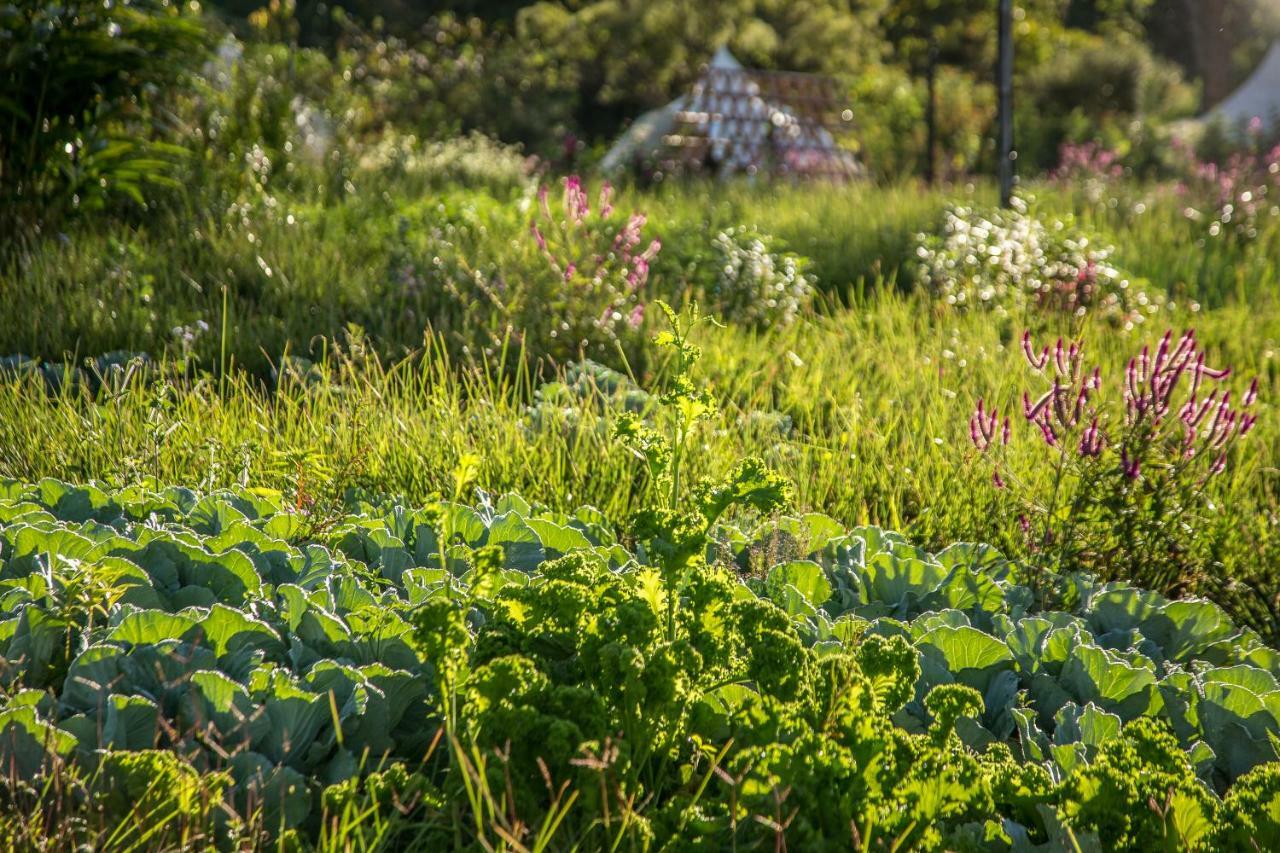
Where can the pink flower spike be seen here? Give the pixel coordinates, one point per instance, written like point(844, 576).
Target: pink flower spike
point(1046, 431)
point(1037, 362)
point(1214, 374)
point(997, 480)
point(1033, 411)
point(1091, 440)
point(1006, 433)
point(1251, 396)
point(636, 317)
point(606, 196)
point(537, 235)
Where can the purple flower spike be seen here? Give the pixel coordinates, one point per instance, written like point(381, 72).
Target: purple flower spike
point(1129, 467)
point(1037, 361)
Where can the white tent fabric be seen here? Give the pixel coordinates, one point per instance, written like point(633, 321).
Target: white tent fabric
point(1258, 97)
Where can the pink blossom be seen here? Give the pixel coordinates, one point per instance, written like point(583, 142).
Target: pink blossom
point(606, 196)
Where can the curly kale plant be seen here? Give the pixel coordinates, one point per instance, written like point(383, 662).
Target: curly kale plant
point(675, 533)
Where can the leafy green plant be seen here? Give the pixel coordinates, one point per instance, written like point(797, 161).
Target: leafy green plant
point(77, 126)
point(675, 534)
point(507, 672)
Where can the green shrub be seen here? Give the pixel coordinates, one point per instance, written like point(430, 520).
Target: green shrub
point(84, 85)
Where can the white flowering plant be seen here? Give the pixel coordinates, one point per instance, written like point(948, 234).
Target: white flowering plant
point(1009, 261)
point(756, 283)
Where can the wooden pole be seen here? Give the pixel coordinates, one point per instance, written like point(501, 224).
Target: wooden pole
point(1004, 150)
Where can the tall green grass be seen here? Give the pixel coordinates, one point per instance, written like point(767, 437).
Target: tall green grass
point(877, 397)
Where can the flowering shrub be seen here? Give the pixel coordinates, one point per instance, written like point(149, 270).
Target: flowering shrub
point(756, 285)
point(1235, 196)
point(596, 269)
point(1090, 165)
point(1007, 261)
point(473, 161)
point(1131, 464)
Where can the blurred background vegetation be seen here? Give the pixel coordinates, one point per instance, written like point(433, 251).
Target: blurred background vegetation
point(109, 104)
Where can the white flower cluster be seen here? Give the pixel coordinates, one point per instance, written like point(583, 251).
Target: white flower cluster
point(758, 287)
point(1008, 260)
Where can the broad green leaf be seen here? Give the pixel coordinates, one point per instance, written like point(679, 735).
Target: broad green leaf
point(1095, 675)
point(27, 743)
point(557, 540)
point(147, 627)
point(521, 546)
point(130, 723)
point(805, 576)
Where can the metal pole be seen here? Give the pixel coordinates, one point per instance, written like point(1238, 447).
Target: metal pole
point(931, 115)
point(1004, 150)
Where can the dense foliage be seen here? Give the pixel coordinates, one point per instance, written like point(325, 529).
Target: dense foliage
point(86, 85)
point(450, 656)
point(347, 279)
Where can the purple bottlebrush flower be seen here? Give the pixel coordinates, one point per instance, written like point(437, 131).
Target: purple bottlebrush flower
point(984, 426)
point(576, 205)
point(1032, 411)
point(1091, 441)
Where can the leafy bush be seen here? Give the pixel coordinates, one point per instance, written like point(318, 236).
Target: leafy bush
point(1010, 261)
point(1110, 89)
point(82, 82)
point(474, 162)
